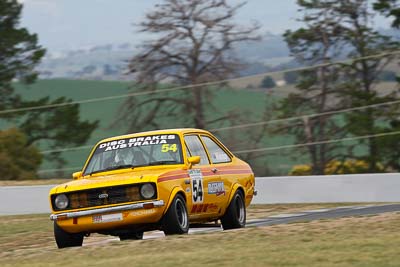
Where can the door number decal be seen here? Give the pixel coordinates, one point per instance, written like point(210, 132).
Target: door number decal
point(197, 185)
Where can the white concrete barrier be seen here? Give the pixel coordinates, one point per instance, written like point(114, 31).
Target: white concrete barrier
point(294, 189)
point(24, 199)
point(382, 187)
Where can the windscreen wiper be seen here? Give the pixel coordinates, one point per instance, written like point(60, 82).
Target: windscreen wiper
point(163, 162)
point(113, 168)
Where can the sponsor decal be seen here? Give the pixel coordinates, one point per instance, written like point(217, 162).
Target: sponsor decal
point(212, 207)
point(96, 219)
point(197, 185)
point(139, 141)
point(107, 218)
point(200, 208)
point(142, 212)
point(216, 188)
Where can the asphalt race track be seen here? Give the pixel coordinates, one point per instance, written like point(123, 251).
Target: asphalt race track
point(304, 216)
point(312, 215)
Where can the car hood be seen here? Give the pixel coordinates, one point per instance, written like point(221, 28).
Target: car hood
point(120, 177)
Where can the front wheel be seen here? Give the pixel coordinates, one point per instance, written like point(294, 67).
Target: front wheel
point(235, 215)
point(65, 239)
point(176, 220)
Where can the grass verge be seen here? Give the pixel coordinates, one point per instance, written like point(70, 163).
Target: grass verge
point(362, 241)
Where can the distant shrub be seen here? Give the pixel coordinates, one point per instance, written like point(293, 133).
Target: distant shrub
point(268, 82)
point(298, 170)
point(18, 161)
point(350, 166)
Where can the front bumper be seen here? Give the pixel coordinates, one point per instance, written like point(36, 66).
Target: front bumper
point(76, 214)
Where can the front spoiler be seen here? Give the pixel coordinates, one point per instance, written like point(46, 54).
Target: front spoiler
point(76, 214)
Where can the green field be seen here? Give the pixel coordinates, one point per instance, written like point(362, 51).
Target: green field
point(243, 101)
point(371, 241)
point(250, 103)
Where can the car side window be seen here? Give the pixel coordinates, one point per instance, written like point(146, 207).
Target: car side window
point(196, 148)
point(217, 154)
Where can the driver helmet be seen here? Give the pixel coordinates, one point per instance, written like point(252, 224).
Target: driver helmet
point(124, 155)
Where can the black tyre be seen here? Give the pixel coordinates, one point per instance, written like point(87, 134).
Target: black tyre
point(65, 239)
point(235, 215)
point(131, 236)
point(176, 220)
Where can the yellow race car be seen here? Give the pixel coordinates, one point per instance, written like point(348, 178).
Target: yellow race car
point(146, 181)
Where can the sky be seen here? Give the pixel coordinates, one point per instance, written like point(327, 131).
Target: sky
point(73, 24)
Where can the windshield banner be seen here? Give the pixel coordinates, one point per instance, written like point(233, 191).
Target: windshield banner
point(138, 141)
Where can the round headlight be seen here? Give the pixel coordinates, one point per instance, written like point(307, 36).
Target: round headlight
point(61, 201)
point(147, 191)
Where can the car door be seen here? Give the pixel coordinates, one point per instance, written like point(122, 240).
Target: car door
point(221, 163)
point(201, 175)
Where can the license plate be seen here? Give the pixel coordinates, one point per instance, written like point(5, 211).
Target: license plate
point(107, 218)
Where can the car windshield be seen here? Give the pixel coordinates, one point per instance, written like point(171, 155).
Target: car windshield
point(134, 152)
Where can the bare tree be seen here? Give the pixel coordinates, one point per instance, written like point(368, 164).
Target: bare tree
point(193, 44)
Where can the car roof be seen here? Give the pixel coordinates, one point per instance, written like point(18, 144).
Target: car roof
point(165, 131)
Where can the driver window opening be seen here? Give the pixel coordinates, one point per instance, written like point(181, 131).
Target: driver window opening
point(196, 148)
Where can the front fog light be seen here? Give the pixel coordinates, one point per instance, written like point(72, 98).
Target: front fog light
point(147, 191)
point(61, 201)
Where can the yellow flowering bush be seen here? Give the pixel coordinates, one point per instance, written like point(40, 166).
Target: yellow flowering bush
point(350, 166)
point(298, 170)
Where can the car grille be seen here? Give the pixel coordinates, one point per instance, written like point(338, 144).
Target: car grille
point(102, 196)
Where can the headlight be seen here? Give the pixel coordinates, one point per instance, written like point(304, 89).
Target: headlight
point(61, 201)
point(147, 191)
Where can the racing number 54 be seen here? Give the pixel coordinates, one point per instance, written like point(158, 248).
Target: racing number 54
point(197, 190)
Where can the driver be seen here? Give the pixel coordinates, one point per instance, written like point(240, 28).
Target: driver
point(123, 156)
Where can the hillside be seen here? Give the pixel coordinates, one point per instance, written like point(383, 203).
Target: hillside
point(109, 61)
point(251, 102)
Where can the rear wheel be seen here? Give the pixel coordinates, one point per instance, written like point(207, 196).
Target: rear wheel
point(65, 239)
point(235, 215)
point(176, 220)
point(131, 236)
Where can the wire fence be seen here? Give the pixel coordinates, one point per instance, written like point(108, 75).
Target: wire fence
point(233, 127)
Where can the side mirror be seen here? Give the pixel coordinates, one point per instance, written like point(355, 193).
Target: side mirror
point(76, 175)
point(193, 160)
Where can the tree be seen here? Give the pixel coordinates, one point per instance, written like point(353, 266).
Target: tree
point(193, 44)
point(18, 159)
point(364, 75)
point(318, 42)
point(340, 29)
point(389, 8)
point(391, 157)
point(268, 82)
point(57, 127)
point(19, 54)
point(291, 77)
